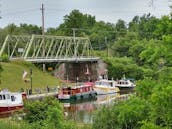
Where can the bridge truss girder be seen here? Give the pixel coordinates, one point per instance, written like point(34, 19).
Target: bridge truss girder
point(46, 47)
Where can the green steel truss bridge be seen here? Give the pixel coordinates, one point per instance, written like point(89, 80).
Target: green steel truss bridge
point(42, 49)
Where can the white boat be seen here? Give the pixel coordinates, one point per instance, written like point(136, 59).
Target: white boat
point(125, 84)
point(10, 102)
point(105, 86)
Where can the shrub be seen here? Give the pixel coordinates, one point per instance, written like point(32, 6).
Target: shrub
point(4, 58)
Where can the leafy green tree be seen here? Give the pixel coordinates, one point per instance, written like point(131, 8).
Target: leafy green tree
point(147, 25)
point(125, 115)
point(161, 113)
point(121, 28)
point(46, 114)
point(11, 29)
point(76, 20)
point(150, 125)
point(154, 52)
point(133, 25)
point(100, 33)
point(104, 119)
point(135, 50)
point(118, 67)
point(144, 88)
point(29, 29)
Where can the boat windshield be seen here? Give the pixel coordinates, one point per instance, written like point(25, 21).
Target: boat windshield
point(2, 97)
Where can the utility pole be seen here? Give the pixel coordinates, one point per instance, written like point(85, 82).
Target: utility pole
point(0, 10)
point(30, 81)
point(43, 33)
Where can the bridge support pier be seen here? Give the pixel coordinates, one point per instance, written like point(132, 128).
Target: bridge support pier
point(82, 72)
point(43, 67)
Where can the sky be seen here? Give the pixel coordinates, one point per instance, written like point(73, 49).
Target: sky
point(28, 11)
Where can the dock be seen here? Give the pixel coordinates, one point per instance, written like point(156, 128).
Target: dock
point(41, 96)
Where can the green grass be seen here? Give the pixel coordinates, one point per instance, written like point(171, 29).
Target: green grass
point(11, 76)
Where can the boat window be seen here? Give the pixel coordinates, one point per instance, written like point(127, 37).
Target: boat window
point(97, 83)
point(111, 84)
point(3, 97)
point(12, 98)
point(8, 96)
point(104, 83)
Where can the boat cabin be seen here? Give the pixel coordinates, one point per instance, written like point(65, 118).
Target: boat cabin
point(77, 89)
point(10, 99)
point(105, 83)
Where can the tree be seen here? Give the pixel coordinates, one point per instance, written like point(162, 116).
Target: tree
point(161, 113)
point(163, 27)
point(121, 28)
point(100, 32)
point(30, 29)
point(118, 67)
point(133, 25)
point(46, 114)
point(124, 115)
point(76, 20)
point(147, 26)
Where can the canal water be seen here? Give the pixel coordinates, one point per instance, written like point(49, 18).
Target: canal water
point(82, 111)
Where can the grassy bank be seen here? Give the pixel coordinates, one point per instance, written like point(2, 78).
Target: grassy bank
point(11, 76)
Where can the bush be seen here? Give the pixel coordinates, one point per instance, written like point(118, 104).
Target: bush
point(4, 58)
point(125, 115)
point(46, 114)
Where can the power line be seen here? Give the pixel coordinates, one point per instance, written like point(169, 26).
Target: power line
point(20, 12)
point(0, 9)
point(67, 10)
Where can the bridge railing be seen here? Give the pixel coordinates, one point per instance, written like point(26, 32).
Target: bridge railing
point(57, 48)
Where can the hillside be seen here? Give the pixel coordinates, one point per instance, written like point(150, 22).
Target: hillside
point(12, 76)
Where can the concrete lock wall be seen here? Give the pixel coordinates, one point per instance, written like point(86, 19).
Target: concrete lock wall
point(81, 72)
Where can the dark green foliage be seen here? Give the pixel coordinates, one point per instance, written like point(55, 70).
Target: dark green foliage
point(149, 125)
point(161, 113)
point(125, 115)
point(30, 29)
point(104, 119)
point(46, 114)
point(118, 67)
point(76, 20)
point(101, 32)
point(120, 28)
point(4, 58)
point(145, 88)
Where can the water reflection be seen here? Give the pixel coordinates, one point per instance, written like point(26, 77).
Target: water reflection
point(83, 111)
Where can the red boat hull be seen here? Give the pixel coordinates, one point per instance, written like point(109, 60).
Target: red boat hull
point(4, 110)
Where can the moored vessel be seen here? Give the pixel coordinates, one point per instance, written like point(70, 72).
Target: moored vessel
point(105, 86)
point(126, 84)
point(77, 92)
point(11, 101)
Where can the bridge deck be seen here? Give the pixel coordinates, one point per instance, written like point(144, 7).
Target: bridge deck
point(49, 60)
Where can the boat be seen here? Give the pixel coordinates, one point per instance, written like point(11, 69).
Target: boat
point(79, 92)
point(126, 84)
point(105, 86)
point(11, 101)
